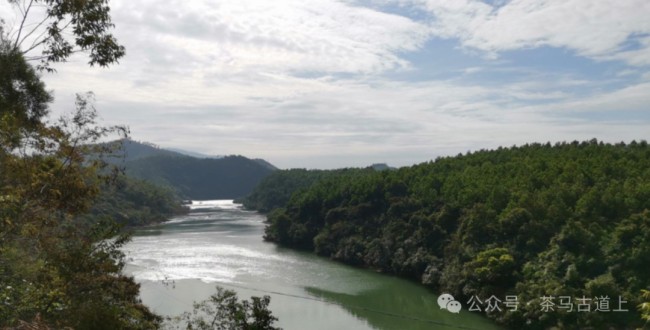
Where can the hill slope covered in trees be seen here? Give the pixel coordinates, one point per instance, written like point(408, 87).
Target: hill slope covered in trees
point(127, 150)
point(229, 177)
point(570, 219)
point(131, 202)
point(190, 177)
point(275, 190)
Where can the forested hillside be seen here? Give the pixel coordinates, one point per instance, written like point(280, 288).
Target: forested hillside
point(56, 270)
point(570, 219)
point(224, 178)
point(276, 189)
point(132, 202)
point(187, 176)
point(127, 150)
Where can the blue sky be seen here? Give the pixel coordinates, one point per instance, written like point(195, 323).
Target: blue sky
point(336, 83)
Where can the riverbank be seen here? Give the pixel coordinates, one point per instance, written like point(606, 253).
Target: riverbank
point(194, 253)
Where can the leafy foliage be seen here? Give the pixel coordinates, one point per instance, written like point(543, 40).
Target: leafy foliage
point(88, 22)
point(53, 265)
point(224, 311)
point(275, 190)
point(132, 202)
point(538, 220)
point(57, 270)
point(644, 307)
point(23, 102)
point(60, 266)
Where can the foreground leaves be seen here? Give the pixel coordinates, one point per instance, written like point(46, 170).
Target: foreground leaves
point(224, 311)
point(56, 268)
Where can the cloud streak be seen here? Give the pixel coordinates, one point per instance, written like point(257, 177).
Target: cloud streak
point(601, 30)
point(330, 83)
point(286, 35)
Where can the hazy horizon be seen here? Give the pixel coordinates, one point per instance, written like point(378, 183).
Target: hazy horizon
point(397, 164)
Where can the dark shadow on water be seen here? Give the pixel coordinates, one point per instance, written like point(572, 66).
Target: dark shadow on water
point(388, 309)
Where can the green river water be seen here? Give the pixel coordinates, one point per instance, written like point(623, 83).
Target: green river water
point(182, 261)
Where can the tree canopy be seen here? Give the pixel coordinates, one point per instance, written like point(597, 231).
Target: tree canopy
point(571, 219)
point(228, 177)
point(57, 269)
point(60, 260)
point(223, 310)
point(44, 25)
point(275, 190)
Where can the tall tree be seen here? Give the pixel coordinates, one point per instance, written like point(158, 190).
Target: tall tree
point(23, 98)
point(43, 27)
point(56, 270)
point(59, 270)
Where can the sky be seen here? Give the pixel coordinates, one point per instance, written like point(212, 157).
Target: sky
point(345, 83)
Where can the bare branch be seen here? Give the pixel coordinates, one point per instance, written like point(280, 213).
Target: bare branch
point(41, 57)
point(33, 30)
point(37, 42)
point(22, 11)
point(35, 58)
point(22, 23)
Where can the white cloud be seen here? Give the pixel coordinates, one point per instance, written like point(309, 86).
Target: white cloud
point(205, 52)
point(638, 57)
point(305, 83)
point(630, 98)
point(472, 70)
point(335, 122)
point(599, 30)
point(289, 35)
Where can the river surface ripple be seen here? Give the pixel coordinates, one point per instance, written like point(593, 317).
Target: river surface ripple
point(218, 243)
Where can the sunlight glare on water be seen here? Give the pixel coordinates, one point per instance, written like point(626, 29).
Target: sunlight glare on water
point(219, 243)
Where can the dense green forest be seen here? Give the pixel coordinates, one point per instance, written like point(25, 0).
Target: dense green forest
point(190, 177)
point(133, 202)
point(229, 177)
point(275, 190)
point(570, 219)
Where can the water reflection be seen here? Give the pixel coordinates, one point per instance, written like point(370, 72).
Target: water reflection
point(222, 245)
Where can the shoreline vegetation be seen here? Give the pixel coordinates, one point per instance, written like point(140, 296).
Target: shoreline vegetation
point(570, 219)
point(134, 203)
point(538, 220)
point(61, 204)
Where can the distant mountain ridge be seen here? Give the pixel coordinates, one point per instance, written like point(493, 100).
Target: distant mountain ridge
point(193, 153)
point(265, 163)
point(226, 177)
point(131, 150)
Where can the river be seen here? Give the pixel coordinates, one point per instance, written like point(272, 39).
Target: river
point(218, 243)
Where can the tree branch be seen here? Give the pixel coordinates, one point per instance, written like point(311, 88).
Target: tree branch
point(32, 31)
point(36, 42)
point(22, 23)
